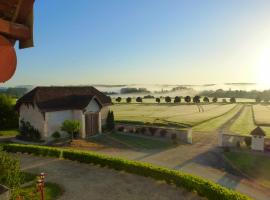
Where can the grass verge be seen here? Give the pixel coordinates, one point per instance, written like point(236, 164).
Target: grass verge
point(255, 166)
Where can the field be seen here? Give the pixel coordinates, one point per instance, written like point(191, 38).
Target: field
point(256, 166)
point(169, 114)
point(245, 124)
point(262, 114)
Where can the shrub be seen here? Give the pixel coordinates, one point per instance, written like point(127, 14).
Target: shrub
point(206, 100)
point(143, 130)
point(163, 133)
point(187, 99)
point(72, 127)
point(110, 124)
point(139, 99)
point(33, 149)
point(149, 97)
point(226, 149)
point(177, 99)
point(233, 100)
point(238, 144)
point(128, 100)
point(120, 128)
point(152, 130)
point(56, 135)
point(168, 99)
point(174, 138)
point(118, 99)
point(28, 132)
point(196, 99)
point(248, 141)
point(224, 100)
point(158, 100)
point(203, 187)
point(215, 99)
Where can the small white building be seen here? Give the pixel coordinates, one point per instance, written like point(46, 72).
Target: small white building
point(46, 108)
point(257, 140)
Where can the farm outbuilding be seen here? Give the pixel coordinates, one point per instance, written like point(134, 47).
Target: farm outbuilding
point(46, 108)
point(257, 142)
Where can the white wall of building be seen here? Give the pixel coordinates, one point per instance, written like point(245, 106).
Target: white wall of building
point(32, 114)
point(257, 143)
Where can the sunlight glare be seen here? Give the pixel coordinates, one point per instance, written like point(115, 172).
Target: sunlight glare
point(263, 70)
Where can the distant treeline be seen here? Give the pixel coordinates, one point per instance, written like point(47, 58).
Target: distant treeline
point(133, 90)
point(14, 92)
point(254, 94)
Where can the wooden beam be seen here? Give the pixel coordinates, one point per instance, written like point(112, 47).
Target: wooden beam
point(13, 30)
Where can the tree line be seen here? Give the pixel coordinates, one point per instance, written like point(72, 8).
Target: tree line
point(178, 99)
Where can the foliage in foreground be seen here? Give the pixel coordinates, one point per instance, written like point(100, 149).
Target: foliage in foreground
point(203, 187)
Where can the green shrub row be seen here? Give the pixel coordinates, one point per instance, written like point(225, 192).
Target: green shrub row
point(203, 187)
point(33, 149)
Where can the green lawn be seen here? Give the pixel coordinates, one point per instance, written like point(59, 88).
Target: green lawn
point(245, 124)
point(169, 114)
point(9, 133)
point(214, 124)
point(141, 142)
point(52, 192)
point(256, 166)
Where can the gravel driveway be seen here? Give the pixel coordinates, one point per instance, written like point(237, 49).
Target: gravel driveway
point(87, 182)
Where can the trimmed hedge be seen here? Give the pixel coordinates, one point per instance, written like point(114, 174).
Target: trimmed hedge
point(33, 149)
point(203, 187)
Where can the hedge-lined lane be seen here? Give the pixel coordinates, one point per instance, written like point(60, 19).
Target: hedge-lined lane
point(210, 190)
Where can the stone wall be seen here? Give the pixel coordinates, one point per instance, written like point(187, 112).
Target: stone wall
point(229, 140)
point(166, 133)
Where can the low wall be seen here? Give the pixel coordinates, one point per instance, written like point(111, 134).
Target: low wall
point(230, 140)
point(167, 133)
point(4, 193)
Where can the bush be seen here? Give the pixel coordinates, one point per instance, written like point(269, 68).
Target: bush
point(158, 100)
point(206, 100)
point(110, 124)
point(187, 99)
point(174, 138)
point(168, 99)
point(120, 128)
point(143, 130)
point(215, 99)
point(238, 144)
point(33, 149)
point(128, 100)
point(118, 99)
point(149, 97)
point(72, 127)
point(163, 133)
point(177, 99)
point(139, 99)
point(233, 100)
point(196, 99)
point(203, 187)
point(152, 130)
point(56, 135)
point(28, 132)
point(226, 149)
point(248, 141)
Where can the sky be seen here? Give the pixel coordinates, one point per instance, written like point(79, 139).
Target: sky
point(147, 42)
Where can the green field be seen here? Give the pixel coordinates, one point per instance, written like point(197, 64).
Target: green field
point(262, 114)
point(214, 124)
point(245, 124)
point(256, 166)
point(169, 115)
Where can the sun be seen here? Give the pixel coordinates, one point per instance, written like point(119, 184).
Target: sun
point(263, 70)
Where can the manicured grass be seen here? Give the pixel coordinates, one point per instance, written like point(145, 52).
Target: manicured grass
point(245, 124)
point(7, 133)
point(262, 114)
point(52, 192)
point(214, 124)
point(169, 114)
point(256, 166)
point(142, 142)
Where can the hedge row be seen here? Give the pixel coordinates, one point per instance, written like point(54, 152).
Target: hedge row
point(203, 187)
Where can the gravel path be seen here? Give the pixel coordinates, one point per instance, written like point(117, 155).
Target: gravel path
point(87, 182)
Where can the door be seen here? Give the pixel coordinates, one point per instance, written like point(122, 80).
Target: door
point(91, 124)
